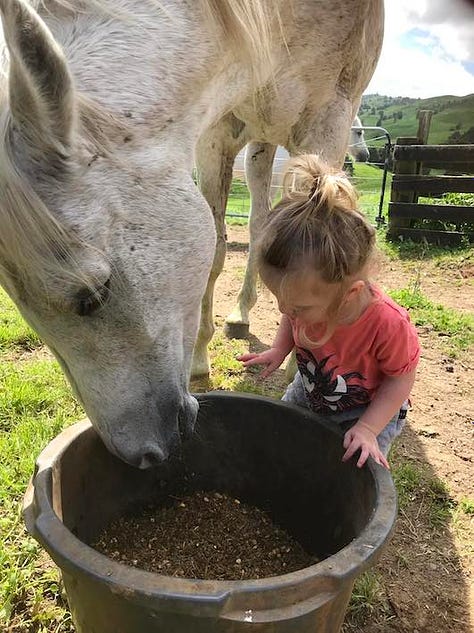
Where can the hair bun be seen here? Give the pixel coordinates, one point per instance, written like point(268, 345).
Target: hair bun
point(308, 176)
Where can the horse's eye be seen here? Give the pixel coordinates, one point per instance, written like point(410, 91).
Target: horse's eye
point(89, 301)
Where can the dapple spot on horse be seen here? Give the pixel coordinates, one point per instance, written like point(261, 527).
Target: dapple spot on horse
point(106, 243)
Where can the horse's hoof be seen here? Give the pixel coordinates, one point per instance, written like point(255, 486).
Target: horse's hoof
point(200, 384)
point(236, 330)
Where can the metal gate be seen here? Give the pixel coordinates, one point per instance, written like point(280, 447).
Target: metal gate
point(370, 178)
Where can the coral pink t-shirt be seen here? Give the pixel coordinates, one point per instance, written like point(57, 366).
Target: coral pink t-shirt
point(346, 371)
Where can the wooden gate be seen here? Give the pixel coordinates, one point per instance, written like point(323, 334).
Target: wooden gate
point(409, 184)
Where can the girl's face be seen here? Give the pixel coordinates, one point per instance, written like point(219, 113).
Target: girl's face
point(304, 297)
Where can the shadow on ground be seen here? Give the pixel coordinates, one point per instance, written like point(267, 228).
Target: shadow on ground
point(419, 582)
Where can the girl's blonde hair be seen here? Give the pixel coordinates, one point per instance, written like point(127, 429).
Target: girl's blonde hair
point(317, 226)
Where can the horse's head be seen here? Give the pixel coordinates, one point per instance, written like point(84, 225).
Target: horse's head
point(105, 246)
point(357, 145)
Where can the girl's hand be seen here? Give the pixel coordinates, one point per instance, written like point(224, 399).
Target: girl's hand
point(362, 437)
point(272, 359)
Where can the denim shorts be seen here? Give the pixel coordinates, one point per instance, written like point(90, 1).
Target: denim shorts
point(296, 394)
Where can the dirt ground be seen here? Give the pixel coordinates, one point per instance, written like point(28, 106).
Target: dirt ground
point(427, 570)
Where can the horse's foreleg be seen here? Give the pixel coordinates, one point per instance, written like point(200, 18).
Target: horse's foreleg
point(258, 169)
point(214, 162)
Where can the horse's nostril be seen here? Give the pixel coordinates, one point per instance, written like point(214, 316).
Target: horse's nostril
point(151, 458)
point(148, 460)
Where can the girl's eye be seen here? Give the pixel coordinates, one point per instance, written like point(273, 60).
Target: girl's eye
point(89, 301)
point(301, 311)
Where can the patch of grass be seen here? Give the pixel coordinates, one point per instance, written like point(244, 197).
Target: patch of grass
point(466, 505)
point(367, 601)
point(443, 255)
point(228, 373)
point(457, 327)
point(32, 388)
point(463, 522)
point(441, 502)
point(238, 203)
point(464, 199)
point(35, 405)
point(407, 480)
point(32, 598)
point(415, 484)
point(226, 369)
point(14, 332)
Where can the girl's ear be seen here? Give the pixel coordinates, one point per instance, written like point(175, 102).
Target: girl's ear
point(355, 290)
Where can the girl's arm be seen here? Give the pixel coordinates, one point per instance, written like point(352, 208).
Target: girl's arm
point(272, 358)
point(284, 340)
point(391, 394)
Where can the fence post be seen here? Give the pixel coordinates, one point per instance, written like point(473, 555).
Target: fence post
point(424, 122)
point(402, 167)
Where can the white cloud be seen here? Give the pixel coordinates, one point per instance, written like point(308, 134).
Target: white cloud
point(430, 61)
point(453, 23)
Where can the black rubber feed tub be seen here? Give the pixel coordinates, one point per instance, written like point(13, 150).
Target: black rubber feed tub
point(268, 453)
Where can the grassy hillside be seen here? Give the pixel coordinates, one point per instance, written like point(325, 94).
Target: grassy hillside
point(398, 115)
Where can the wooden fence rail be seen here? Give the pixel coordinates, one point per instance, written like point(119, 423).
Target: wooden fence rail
point(435, 153)
point(409, 183)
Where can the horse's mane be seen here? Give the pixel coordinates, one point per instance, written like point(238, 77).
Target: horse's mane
point(30, 233)
point(248, 29)
point(32, 241)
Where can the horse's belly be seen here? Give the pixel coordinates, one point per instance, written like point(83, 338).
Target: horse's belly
point(271, 119)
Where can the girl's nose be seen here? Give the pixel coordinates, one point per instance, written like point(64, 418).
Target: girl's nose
point(288, 310)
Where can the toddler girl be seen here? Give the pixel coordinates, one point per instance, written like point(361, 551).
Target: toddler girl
point(356, 349)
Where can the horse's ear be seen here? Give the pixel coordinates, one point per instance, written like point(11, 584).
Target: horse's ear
point(41, 90)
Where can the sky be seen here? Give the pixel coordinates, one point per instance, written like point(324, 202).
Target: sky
point(428, 49)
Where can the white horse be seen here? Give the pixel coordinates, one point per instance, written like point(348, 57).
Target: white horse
point(106, 244)
point(237, 323)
